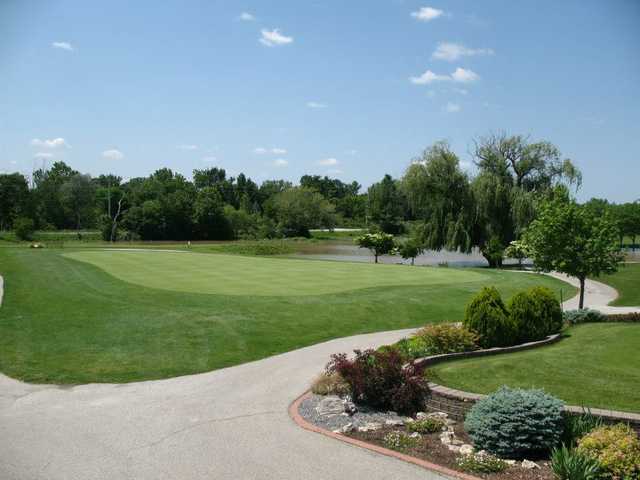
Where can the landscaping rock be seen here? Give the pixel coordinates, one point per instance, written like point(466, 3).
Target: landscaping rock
point(345, 428)
point(394, 422)
point(331, 405)
point(466, 449)
point(415, 435)
point(370, 427)
point(511, 463)
point(447, 438)
point(528, 464)
point(421, 416)
point(454, 448)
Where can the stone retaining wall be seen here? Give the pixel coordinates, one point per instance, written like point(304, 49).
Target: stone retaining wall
point(457, 403)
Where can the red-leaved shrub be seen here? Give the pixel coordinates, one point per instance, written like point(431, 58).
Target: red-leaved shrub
point(382, 380)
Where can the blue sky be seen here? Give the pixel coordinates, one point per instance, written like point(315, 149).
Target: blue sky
point(350, 89)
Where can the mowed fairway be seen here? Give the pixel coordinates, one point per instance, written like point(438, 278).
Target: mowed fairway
point(240, 275)
point(149, 315)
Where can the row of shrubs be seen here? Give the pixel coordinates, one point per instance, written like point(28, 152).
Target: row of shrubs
point(529, 316)
point(586, 315)
point(516, 423)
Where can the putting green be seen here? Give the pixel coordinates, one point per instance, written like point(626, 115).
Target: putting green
point(238, 275)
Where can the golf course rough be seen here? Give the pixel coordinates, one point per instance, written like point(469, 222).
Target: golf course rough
point(239, 275)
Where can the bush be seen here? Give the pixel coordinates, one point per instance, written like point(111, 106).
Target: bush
point(616, 448)
point(380, 379)
point(577, 426)
point(399, 441)
point(514, 423)
point(487, 316)
point(481, 463)
point(24, 228)
point(573, 465)
point(536, 314)
point(425, 425)
point(586, 315)
point(624, 317)
point(444, 338)
point(330, 384)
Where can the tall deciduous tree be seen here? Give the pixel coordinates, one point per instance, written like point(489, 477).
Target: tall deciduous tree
point(385, 205)
point(299, 209)
point(14, 198)
point(570, 238)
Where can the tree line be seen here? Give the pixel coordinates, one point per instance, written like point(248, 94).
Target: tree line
point(436, 200)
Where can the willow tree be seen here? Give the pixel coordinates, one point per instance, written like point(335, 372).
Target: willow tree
point(438, 193)
point(513, 176)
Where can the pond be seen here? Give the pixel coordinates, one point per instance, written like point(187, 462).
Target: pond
point(348, 252)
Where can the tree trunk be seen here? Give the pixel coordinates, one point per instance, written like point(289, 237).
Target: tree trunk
point(413, 259)
point(376, 257)
point(581, 304)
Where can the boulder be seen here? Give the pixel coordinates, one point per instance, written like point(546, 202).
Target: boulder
point(370, 427)
point(330, 405)
point(466, 449)
point(528, 464)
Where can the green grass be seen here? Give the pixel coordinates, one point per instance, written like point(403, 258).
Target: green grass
point(627, 282)
point(68, 321)
point(597, 366)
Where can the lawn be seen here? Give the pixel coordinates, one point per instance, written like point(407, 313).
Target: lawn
point(627, 282)
point(597, 366)
point(67, 320)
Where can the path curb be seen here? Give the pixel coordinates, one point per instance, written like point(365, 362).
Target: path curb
point(301, 422)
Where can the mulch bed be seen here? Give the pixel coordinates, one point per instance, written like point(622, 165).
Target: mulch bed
point(432, 450)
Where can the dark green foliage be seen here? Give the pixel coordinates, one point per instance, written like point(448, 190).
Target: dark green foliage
point(379, 243)
point(23, 228)
point(572, 465)
point(381, 380)
point(442, 338)
point(386, 205)
point(577, 426)
point(585, 315)
point(487, 316)
point(515, 423)
point(536, 314)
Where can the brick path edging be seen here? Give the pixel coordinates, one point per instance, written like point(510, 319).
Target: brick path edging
point(301, 422)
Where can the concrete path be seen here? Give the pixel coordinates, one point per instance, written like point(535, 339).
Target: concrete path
point(225, 424)
point(597, 296)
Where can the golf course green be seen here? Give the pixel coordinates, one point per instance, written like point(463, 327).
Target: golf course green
point(78, 316)
point(596, 366)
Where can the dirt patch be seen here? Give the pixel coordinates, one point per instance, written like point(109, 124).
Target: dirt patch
point(430, 448)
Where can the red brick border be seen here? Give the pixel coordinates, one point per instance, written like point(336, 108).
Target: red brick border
point(297, 418)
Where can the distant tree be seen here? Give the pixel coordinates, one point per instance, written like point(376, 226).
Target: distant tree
point(627, 216)
point(208, 216)
point(379, 243)
point(49, 208)
point(242, 223)
point(299, 209)
point(517, 249)
point(14, 198)
point(385, 205)
point(439, 196)
point(410, 249)
point(572, 239)
point(77, 196)
point(24, 228)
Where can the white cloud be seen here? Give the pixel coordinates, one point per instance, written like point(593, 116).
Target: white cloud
point(209, 159)
point(273, 38)
point(113, 154)
point(280, 162)
point(327, 162)
point(246, 16)
point(260, 150)
point(426, 14)
point(352, 151)
point(275, 151)
point(464, 76)
point(63, 46)
point(452, 107)
point(279, 151)
point(51, 144)
point(453, 51)
point(460, 75)
point(187, 147)
point(429, 77)
point(43, 155)
point(316, 105)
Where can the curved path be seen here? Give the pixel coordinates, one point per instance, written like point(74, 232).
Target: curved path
point(226, 424)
